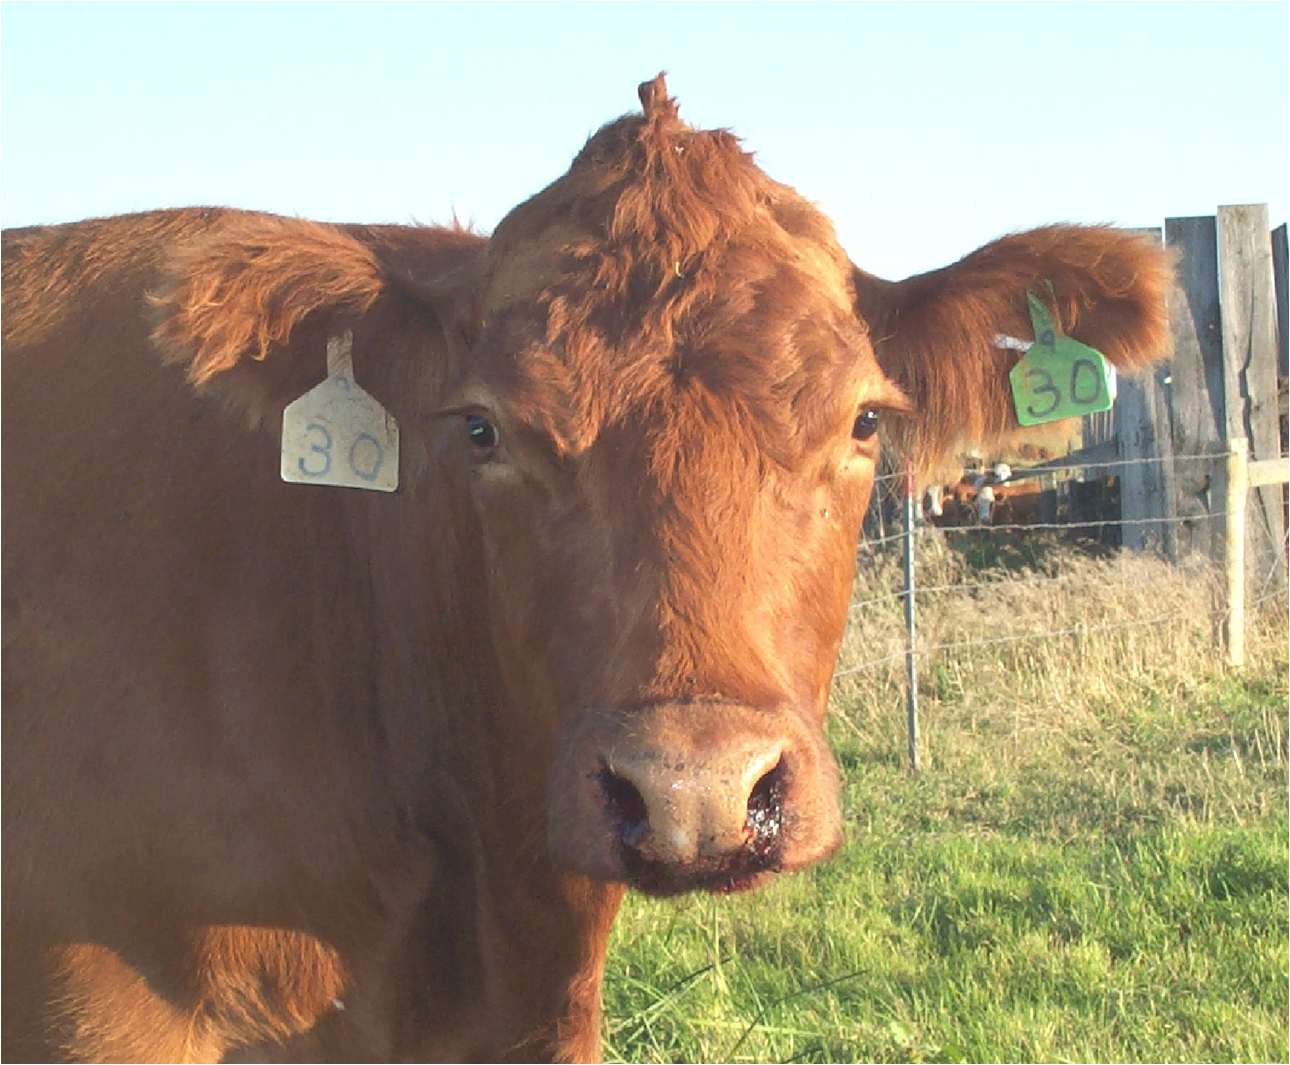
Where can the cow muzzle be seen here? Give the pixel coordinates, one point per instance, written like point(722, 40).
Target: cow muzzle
point(678, 796)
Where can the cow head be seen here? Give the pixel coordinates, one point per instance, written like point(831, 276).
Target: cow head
point(660, 385)
point(669, 380)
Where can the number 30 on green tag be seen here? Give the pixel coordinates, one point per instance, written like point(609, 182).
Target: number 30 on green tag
point(1058, 377)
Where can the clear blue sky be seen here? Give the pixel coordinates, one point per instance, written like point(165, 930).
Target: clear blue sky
point(923, 129)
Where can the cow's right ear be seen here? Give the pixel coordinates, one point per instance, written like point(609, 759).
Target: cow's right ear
point(947, 337)
point(247, 308)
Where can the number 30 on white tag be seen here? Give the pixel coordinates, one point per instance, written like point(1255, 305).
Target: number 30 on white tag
point(338, 434)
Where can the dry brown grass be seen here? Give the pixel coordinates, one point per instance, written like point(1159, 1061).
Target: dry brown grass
point(1043, 638)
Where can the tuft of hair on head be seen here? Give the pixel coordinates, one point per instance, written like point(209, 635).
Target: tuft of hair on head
point(655, 101)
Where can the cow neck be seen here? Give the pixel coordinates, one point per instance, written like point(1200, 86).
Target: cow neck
point(465, 771)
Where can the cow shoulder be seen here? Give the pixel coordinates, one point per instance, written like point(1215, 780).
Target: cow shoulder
point(937, 334)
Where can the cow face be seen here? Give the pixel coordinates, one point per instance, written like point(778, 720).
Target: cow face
point(670, 418)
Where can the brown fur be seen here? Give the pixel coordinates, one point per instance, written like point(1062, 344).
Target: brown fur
point(303, 773)
point(1105, 287)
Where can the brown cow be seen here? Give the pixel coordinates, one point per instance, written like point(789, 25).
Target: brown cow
point(313, 773)
point(1024, 502)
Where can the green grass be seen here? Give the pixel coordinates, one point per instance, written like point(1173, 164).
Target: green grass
point(1092, 865)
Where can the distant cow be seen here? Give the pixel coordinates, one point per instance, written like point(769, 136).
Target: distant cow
point(314, 773)
point(977, 499)
point(955, 504)
point(1024, 502)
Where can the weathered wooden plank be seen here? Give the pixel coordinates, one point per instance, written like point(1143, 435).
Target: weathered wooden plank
point(1146, 481)
point(1280, 283)
point(1269, 471)
point(1248, 303)
point(1142, 431)
point(1195, 380)
point(1087, 458)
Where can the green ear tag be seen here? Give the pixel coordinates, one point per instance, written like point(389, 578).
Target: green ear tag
point(1058, 377)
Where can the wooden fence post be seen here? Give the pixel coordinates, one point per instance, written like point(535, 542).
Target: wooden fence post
point(1233, 472)
point(1250, 367)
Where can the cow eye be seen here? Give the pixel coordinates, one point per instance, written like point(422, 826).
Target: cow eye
point(865, 426)
point(482, 435)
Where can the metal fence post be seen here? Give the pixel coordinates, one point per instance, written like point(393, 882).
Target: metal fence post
point(911, 660)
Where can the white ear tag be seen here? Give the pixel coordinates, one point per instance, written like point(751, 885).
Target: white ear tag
point(337, 434)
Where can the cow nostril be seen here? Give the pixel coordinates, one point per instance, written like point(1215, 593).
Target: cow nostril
point(766, 811)
point(626, 806)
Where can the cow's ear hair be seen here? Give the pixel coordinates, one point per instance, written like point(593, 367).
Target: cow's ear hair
point(938, 335)
point(437, 269)
point(247, 308)
point(240, 291)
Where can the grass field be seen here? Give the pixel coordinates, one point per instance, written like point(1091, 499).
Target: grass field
point(1092, 865)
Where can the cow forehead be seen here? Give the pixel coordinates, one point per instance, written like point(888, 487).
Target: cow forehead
point(647, 203)
point(765, 339)
point(665, 259)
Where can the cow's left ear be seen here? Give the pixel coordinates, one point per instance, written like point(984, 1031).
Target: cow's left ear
point(247, 308)
point(942, 335)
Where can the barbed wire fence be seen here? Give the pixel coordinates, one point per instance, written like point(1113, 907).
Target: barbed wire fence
point(1259, 584)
